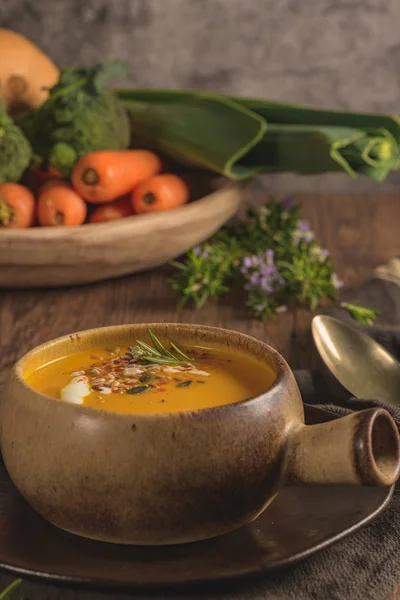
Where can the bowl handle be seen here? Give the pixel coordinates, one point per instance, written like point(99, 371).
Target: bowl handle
point(361, 449)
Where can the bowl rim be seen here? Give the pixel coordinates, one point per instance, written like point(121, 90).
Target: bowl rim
point(278, 363)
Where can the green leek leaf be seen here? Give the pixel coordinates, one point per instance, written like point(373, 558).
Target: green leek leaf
point(241, 137)
point(211, 133)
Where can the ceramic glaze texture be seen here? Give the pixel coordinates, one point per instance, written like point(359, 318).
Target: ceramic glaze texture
point(178, 477)
point(148, 479)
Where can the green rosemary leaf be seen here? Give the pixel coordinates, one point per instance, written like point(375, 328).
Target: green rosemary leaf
point(158, 354)
point(161, 360)
point(182, 302)
point(288, 266)
point(158, 346)
point(362, 314)
point(203, 298)
point(148, 348)
point(179, 352)
point(7, 592)
point(178, 265)
point(168, 354)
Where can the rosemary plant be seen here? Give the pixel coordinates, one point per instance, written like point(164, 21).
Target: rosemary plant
point(272, 254)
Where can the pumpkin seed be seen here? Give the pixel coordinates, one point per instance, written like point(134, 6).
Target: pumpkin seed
point(147, 377)
point(139, 389)
point(184, 384)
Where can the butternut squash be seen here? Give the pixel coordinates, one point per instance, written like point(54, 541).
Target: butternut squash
point(25, 72)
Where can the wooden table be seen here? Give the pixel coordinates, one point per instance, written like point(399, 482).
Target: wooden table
point(360, 231)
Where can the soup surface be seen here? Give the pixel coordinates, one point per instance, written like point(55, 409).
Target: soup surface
point(121, 380)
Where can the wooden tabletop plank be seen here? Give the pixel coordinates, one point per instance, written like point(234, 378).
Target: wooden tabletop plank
point(360, 231)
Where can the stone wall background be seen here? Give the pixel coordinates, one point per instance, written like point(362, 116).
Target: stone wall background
point(327, 53)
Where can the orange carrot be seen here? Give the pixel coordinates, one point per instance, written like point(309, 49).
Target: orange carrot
point(17, 206)
point(113, 211)
point(161, 192)
point(60, 205)
point(54, 182)
point(105, 175)
point(38, 175)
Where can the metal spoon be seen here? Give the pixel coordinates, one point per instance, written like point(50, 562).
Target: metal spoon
point(361, 365)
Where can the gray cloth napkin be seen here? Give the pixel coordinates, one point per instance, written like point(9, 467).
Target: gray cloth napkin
point(363, 566)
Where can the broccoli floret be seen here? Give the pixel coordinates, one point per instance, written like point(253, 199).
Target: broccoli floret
point(80, 116)
point(15, 150)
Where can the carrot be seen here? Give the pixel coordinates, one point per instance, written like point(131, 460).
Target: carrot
point(60, 205)
point(54, 182)
point(38, 175)
point(17, 206)
point(103, 176)
point(113, 211)
point(161, 192)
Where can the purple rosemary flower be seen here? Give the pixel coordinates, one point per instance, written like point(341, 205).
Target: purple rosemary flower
point(303, 225)
point(335, 281)
point(269, 256)
point(268, 270)
point(324, 254)
point(297, 237)
point(255, 278)
point(247, 262)
point(202, 252)
point(266, 285)
point(319, 253)
point(309, 236)
point(302, 232)
point(263, 276)
point(287, 204)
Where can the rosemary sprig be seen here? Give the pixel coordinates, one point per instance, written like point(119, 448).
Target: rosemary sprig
point(159, 354)
point(362, 314)
point(8, 591)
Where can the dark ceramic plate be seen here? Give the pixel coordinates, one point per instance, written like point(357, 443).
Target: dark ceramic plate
point(299, 522)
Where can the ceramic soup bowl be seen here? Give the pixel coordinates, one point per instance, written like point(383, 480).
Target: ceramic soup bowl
point(185, 476)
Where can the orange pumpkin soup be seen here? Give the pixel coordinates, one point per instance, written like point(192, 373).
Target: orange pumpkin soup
point(152, 378)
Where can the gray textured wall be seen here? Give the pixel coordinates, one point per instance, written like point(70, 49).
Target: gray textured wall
point(328, 53)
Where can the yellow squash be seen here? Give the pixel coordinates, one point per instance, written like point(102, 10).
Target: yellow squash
point(25, 73)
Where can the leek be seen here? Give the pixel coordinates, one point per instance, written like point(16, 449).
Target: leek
point(209, 132)
point(309, 150)
point(242, 137)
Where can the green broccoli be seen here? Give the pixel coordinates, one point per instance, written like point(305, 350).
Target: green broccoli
point(80, 116)
point(15, 150)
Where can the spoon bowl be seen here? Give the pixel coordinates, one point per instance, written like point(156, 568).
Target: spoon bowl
point(361, 365)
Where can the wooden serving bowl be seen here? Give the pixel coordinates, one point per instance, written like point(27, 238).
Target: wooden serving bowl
point(62, 256)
